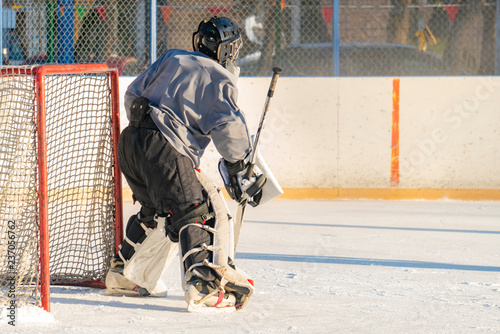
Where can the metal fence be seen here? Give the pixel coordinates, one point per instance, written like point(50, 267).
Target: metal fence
point(304, 37)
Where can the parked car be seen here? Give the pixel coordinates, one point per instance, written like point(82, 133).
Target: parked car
point(356, 59)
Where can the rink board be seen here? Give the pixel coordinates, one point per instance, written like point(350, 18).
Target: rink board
point(332, 137)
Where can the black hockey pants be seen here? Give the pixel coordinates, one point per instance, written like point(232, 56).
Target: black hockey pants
point(162, 181)
point(159, 176)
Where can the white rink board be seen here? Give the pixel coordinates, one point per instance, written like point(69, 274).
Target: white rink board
point(336, 132)
point(450, 132)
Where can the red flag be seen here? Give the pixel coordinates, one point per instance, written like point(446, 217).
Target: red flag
point(327, 14)
point(165, 12)
point(102, 11)
point(218, 10)
point(452, 12)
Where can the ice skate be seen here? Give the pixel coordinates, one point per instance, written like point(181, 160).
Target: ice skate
point(118, 285)
point(203, 296)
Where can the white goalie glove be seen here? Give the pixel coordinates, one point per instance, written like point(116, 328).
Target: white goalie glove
point(238, 185)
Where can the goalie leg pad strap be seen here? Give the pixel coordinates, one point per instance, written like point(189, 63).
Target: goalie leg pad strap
point(194, 242)
point(135, 231)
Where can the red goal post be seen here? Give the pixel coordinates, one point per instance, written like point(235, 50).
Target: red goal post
point(61, 203)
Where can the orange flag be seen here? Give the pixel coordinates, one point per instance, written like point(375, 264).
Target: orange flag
point(165, 12)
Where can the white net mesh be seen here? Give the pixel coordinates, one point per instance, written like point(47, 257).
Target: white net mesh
point(81, 205)
point(18, 190)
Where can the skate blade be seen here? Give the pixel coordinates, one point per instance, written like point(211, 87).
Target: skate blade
point(133, 293)
point(159, 295)
point(121, 292)
point(202, 308)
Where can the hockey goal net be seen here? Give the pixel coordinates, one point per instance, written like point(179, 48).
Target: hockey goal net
point(60, 190)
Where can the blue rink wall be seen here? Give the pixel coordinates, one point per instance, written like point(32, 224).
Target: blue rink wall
point(335, 137)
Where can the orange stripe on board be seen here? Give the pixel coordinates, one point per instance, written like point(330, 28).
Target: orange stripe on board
point(395, 134)
point(375, 193)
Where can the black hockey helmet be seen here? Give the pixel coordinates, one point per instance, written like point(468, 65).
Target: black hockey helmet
point(219, 38)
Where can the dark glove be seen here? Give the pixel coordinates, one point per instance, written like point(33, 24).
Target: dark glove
point(238, 186)
point(139, 110)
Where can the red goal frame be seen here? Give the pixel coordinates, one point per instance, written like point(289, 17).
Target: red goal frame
point(39, 73)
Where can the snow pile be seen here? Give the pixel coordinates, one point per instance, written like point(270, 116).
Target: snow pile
point(24, 316)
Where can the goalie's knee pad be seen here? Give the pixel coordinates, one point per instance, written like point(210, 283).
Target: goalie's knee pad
point(206, 249)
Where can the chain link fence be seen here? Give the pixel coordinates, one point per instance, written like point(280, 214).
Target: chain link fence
point(304, 37)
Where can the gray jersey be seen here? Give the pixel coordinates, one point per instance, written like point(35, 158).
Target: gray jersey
point(193, 100)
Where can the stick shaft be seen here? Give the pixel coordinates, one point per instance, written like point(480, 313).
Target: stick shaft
point(270, 93)
point(241, 207)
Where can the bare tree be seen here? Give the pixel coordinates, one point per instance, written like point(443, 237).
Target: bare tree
point(487, 65)
point(313, 26)
point(399, 22)
point(459, 55)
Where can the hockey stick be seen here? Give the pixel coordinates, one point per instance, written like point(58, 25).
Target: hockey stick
point(253, 156)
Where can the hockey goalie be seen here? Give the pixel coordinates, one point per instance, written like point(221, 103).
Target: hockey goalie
point(175, 108)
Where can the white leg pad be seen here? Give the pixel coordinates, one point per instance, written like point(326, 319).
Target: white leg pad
point(151, 258)
point(232, 281)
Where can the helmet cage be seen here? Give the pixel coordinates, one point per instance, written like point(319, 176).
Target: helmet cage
point(229, 50)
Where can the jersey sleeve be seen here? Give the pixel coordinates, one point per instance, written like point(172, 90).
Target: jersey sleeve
point(226, 124)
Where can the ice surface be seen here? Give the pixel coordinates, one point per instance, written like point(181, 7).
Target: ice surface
point(345, 266)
